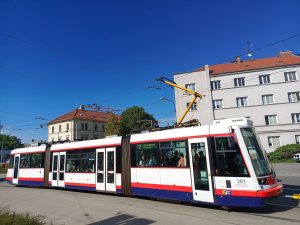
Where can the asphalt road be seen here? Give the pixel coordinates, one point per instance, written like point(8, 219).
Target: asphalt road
point(69, 207)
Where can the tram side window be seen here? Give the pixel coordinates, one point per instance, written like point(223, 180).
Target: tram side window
point(73, 161)
point(37, 160)
point(229, 159)
point(25, 161)
point(173, 154)
point(87, 161)
point(145, 154)
point(11, 162)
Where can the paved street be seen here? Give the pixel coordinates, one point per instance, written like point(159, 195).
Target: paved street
point(68, 207)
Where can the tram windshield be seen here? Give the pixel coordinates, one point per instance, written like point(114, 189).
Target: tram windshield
point(260, 164)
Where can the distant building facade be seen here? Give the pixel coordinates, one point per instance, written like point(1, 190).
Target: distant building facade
point(80, 124)
point(267, 91)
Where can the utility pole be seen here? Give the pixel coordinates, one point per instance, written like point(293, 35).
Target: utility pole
point(169, 100)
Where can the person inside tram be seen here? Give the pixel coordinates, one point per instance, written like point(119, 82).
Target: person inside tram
point(152, 160)
point(202, 161)
point(70, 166)
point(181, 161)
point(142, 161)
point(238, 163)
point(196, 162)
point(175, 158)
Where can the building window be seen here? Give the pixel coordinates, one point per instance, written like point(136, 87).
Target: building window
point(96, 128)
point(242, 101)
point(274, 141)
point(59, 128)
point(271, 119)
point(297, 137)
point(296, 117)
point(267, 99)
point(294, 96)
point(264, 79)
point(239, 82)
point(290, 76)
point(68, 127)
point(191, 86)
point(52, 129)
point(82, 126)
point(194, 106)
point(86, 126)
point(215, 84)
point(218, 104)
point(84, 137)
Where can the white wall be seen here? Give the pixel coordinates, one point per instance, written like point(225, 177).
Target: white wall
point(256, 111)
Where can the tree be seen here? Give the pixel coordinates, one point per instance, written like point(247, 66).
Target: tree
point(10, 142)
point(113, 126)
point(136, 119)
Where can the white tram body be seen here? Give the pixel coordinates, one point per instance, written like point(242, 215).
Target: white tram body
point(219, 164)
point(23, 174)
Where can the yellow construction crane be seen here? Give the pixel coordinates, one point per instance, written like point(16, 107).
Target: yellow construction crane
point(196, 95)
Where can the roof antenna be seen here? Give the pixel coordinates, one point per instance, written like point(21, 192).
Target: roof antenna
point(249, 51)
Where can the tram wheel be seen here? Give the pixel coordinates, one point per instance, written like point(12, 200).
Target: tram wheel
point(226, 208)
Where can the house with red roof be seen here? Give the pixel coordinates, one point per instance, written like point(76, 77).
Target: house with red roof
point(265, 90)
point(79, 124)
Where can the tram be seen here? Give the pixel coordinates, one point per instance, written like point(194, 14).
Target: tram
point(220, 164)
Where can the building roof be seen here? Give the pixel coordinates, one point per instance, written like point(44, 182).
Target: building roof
point(82, 114)
point(284, 59)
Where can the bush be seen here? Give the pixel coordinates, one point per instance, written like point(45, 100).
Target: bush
point(13, 218)
point(3, 167)
point(284, 152)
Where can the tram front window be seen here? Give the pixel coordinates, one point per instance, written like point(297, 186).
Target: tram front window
point(260, 164)
point(230, 162)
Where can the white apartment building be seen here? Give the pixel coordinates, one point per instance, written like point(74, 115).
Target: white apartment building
point(267, 91)
point(80, 124)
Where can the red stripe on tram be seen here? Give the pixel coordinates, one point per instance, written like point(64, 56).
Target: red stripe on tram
point(163, 187)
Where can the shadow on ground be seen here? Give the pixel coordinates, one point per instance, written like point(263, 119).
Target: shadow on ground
point(124, 219)
point(278, 204)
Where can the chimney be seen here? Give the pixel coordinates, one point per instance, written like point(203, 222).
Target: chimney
point(285, 53)
point(238, 59)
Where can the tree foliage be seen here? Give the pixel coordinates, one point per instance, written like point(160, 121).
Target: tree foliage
point(113, 126)
point(136, 119)
point(10, 142)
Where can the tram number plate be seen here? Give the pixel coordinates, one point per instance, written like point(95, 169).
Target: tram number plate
point(241, 181)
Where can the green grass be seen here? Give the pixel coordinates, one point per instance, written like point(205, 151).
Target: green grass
point(283, 161)
point(8, 217)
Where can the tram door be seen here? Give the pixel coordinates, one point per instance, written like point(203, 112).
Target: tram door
point(58, 169)
point(16, 169)
point(106, 169)
point(201, 174)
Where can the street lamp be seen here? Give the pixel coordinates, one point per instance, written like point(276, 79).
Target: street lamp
point(169, 100)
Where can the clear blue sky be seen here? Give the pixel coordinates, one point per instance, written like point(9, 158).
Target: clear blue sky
point(56, 55)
